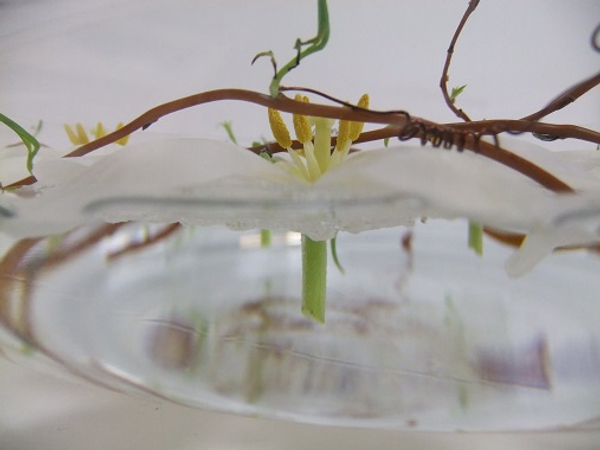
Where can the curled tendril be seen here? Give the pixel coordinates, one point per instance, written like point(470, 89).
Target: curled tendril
point(443, 136)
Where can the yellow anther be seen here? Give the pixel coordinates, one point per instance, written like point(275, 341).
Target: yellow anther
point(343, 134)
point(301, 125)
point(99, 131)
point(357, 127)
point(80, 137)
point(123, 140)
point(81, 134)
point(278, 128)
point(77, 136)
point(71, 134)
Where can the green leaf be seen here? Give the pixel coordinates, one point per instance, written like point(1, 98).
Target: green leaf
point(456, 91)
point(227, 125)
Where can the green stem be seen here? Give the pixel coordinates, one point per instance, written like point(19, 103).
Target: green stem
point(476, 237)
point(314, 278)
point(265, 238)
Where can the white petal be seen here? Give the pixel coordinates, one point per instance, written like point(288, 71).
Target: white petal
point(195, 181)
point(448, 184)
point(573, 220)
point(67, 190)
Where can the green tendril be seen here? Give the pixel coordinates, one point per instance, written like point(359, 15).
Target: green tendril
point(28, 139)
point(314, 45)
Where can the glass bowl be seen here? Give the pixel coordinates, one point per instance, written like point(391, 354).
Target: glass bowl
point(420, 332)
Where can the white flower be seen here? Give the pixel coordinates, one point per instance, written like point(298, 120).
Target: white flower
point(198, 181)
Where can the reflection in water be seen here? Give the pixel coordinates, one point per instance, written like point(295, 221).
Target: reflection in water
point(415, 335)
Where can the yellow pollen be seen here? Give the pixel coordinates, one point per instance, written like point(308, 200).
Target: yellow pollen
point(123, 140)
point(77, 136)
point(278, 128)
point(80, 137)
point(301, 125)
point(71, 134)
point(99, 131)
point(357, 127)
point(343, 134)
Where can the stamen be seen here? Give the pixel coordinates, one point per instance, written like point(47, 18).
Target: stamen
point(312, 165)
point(301, 125)
point(343, 134)
point(291, 168)
point(71, 134)
point(81, 134)
point(322, 142)
point(298, 162)
point(99, 131)
point(122, 141)
point(278, 128)
point(357, 127)
point(80, 137)
point(77, 136)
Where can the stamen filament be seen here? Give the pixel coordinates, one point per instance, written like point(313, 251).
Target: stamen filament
point(340, 154)
point(311, 162)
point(298, 162)
point(291, 168)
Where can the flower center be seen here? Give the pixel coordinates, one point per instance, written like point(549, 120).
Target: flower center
point(314, 133)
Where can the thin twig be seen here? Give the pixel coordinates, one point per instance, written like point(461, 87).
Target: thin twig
point(573, 93)
point(444, 80)
point(326, 96)
point(566, 98)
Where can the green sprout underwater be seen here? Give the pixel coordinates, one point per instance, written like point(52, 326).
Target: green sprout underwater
point(319, 147)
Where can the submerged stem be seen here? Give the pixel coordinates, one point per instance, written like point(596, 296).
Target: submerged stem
point(314, 278)
point(476, 237)
point(265, 238)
